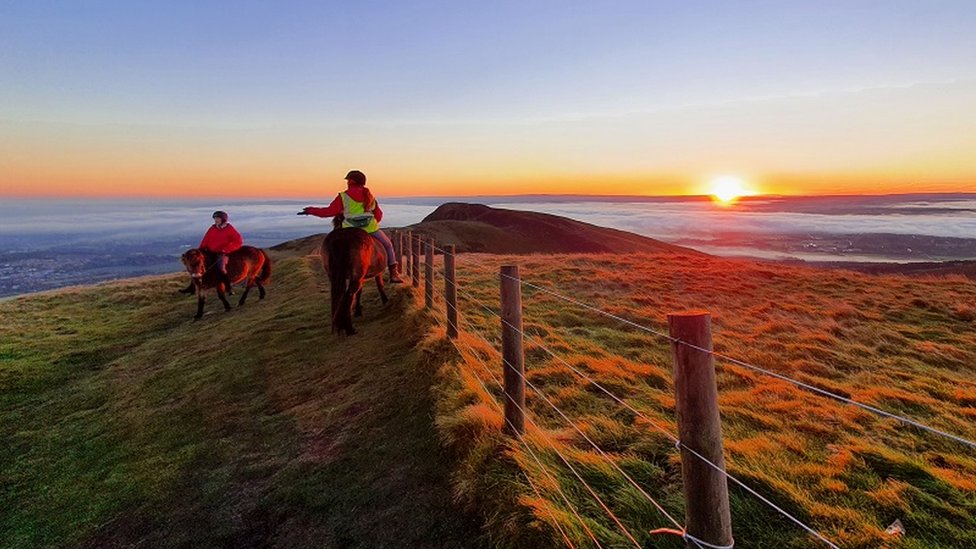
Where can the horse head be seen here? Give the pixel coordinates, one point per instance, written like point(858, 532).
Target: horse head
point(195, 262)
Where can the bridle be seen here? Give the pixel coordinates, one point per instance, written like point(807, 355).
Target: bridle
point(199, 274)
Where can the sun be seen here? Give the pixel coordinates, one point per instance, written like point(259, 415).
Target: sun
point(727, 189)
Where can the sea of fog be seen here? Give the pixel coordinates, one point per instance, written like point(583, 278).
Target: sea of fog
point(33, 224)
point(148, 235)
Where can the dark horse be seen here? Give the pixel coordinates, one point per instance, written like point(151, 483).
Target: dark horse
point(351, 256)
point(248, 264)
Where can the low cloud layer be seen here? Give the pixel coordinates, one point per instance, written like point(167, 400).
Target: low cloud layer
point(51, 222)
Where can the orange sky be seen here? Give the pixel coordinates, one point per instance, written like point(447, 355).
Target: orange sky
point(915, 138)
point(131, 100)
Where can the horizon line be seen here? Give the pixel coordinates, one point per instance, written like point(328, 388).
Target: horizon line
point(699, 196)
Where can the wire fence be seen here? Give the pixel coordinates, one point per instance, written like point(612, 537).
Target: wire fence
point(410, 244)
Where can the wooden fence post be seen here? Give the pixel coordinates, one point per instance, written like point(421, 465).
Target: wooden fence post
point(706, 490)
point(429, 275)
point(450, 292)
point(415, 267)
point(513, 360)
point(408, 250)
point(397, 241)
point(399, 257)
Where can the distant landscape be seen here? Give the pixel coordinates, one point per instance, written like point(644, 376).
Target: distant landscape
point(52, 244)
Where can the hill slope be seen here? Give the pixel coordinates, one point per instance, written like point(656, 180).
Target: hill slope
point(906, 345)
point(124, 423)
point(479, 228)
point(130, 425)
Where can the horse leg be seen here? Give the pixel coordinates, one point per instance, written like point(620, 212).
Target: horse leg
point(240, 302)
point(355, 287)
point(201, 298)
point(223, 299)
point(359, 303)
point(379, 286)
point(247, 288)
point(261, 291)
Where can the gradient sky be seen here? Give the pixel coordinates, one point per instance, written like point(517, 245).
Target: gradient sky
point(197, 98)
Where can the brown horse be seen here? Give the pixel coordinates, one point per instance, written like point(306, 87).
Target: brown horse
point(247, 264)
point(351, 256)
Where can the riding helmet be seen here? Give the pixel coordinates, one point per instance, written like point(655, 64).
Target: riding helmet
point(220, 214)
point(357, 177)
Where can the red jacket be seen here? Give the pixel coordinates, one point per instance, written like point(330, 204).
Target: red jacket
point(356, 193)
point(224, 241)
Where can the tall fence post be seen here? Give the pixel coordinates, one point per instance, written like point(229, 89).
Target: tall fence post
point(408, 249)
point(707, 514)
point(450, 292)
point(429, 274)
point(400, 253)
point(415, 264)
point(513, 360)
point(397, 245)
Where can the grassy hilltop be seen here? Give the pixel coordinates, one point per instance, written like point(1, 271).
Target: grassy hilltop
point(126, 423)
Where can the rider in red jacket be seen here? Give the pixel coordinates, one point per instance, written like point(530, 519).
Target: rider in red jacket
point(222, 239)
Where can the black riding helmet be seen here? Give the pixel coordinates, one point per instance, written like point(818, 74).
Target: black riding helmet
point(357, 177)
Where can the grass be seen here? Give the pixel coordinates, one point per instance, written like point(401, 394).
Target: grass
point(125, 423)
point(904, 344)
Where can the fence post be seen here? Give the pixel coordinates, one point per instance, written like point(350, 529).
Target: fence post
point(513, 360)
point(396, 246)
point(415, 267)
point(450, 292)
point(706, 490)
point(399, 254)
point(429, 275)
point(408, 250)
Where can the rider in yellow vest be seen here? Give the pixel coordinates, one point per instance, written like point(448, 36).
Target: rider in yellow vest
point(359, 209)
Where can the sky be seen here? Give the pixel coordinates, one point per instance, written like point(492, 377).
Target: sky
point(281, 99)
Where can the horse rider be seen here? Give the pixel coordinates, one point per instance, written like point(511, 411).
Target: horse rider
point(360, 210)
point(221, 239)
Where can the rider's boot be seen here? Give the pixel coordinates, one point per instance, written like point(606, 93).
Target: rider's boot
point(394, 275)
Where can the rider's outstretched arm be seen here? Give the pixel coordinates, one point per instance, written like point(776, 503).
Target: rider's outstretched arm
point(333, 209)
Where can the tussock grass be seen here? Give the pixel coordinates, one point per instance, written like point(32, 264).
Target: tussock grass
point(903, 344)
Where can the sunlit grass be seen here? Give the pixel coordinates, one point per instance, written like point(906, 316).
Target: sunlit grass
point(124, 423)
point(906, 345)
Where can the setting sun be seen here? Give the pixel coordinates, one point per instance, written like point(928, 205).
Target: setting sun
point(727, 189)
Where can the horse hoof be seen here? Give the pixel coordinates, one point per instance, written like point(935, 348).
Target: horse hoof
point(358, 313)
point(227, 309)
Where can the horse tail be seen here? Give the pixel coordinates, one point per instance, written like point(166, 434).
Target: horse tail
point(338, 275)
point(265, 275)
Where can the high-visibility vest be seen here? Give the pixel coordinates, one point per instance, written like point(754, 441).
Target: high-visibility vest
point(357, 215)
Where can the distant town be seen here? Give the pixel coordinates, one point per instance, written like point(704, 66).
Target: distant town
point(27, 272)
